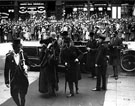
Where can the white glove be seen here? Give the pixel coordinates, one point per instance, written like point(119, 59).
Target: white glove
point(88, 48)
point(65, 63)
point(49, 45)
point(76, 60)
point(26, 69)
point(96, 65)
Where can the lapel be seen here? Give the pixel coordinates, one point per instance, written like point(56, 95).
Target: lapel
point(13, 59)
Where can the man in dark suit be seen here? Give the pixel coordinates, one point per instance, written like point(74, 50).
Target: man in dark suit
point(70, 57)
point(101, 64)
point(114, 48)
point(15, 73)
point(91, 55)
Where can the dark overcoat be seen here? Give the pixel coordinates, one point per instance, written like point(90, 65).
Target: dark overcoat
point(48, 78)
point(69, 55)
point(114, 51)
point(101, 61)
point(91, 55)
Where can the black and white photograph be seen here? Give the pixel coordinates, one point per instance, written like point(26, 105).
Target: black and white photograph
point(67, 53)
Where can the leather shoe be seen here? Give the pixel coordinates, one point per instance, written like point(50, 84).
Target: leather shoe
point(104, 89)
point(96, 89)
point(116, 78)
point(77, 92)
point(70, 95)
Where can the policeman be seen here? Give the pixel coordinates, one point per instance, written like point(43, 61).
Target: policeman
point(91, 55)
point(71, 55)
point(101, 64)
point(114, 47)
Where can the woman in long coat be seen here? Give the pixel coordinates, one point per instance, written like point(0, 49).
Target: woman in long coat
point(48, 79)
point(70, 57)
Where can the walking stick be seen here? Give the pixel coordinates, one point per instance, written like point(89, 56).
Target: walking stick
point(65, 85)
point(66, 79)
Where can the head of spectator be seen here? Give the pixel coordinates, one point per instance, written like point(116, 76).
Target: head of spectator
point(53, 35)
point(101, 38)
point(64, 34)
point(68, 42)
point(91, 34)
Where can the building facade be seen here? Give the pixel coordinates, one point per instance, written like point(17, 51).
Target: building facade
point(62, 8)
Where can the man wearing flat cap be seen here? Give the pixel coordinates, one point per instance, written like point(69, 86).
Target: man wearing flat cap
point(101, 64)
point(15, 73)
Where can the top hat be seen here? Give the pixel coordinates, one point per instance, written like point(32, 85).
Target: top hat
point(17, 41)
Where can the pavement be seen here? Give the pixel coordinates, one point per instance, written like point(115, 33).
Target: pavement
point(121, 92)
point(5, 92)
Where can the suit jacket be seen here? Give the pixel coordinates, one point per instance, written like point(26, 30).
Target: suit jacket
point(101, 59)
point(14, 74)
point(91, 55)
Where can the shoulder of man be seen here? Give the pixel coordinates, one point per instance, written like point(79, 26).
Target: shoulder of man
point(10, 52)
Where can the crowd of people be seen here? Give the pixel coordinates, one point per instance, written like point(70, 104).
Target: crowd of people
point(78, 29)
point(104, 40)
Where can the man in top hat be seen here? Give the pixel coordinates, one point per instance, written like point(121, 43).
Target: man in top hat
point(71, 56)
point(15, 73)
point(101, 64)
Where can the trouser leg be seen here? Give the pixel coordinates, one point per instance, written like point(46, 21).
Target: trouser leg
point(117, 70)
point(98, 78)
point(15, 96)
point(71, 88)
point(22, 97)
point(104, 78)
point(76, 87)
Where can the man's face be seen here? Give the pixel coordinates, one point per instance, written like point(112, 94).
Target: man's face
point(100, 40)
point(16, 48)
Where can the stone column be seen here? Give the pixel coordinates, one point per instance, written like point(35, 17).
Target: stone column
point(58, 10)
point(16, 10)
point(88, 9)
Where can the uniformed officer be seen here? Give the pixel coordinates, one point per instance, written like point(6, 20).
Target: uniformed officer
point(101, 64)
point(15, 73)
point(91, 55)
point(114, 48)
